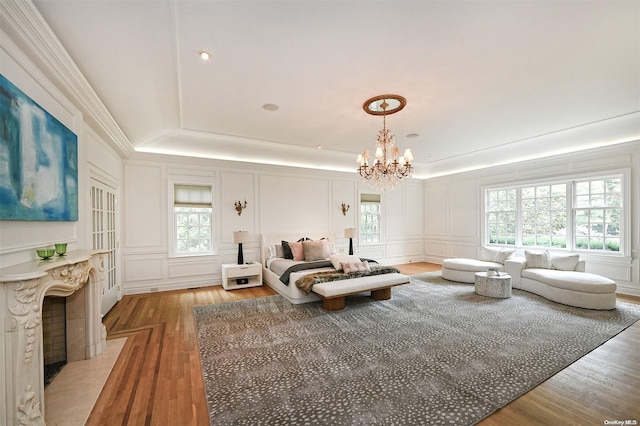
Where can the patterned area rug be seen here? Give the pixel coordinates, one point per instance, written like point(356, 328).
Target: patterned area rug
point(435, 354)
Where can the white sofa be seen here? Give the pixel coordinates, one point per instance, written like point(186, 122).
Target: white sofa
point(464, 270)
point(561, 279)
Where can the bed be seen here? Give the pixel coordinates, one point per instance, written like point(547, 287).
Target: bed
point(282, 274)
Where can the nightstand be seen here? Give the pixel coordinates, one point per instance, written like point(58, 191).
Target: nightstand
point(241, 276)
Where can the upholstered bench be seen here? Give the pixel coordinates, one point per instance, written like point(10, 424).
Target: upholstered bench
point(333, 293)
point(569, 285)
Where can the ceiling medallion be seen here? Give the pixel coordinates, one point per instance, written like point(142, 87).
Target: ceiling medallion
point(389, 168)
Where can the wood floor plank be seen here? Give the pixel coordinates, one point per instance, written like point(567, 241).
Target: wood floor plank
point(157, 378)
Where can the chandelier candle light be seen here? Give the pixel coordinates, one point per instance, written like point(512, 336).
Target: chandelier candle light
point(389, 167)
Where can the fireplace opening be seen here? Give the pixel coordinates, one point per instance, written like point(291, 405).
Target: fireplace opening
point(54, 336)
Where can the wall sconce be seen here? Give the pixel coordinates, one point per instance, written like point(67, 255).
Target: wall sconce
point(240, 206)
point(345, 209)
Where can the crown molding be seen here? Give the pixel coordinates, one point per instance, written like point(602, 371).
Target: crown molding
point(31, 32)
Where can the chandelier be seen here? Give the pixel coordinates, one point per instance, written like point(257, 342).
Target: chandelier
point(389, 168)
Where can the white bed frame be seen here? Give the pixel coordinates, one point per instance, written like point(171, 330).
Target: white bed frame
point(291, 292)
point(333, 295)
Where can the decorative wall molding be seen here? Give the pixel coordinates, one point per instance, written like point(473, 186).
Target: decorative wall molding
point(36, 38)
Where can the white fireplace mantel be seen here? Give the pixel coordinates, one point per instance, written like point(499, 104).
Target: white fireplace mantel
point(79, 276)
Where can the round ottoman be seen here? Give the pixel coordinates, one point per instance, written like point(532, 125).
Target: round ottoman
point(498, 286)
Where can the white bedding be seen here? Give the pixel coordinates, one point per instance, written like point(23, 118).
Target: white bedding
point(290, 291)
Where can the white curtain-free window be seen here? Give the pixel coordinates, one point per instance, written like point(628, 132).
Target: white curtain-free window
point(193, 219)
point(575, 214)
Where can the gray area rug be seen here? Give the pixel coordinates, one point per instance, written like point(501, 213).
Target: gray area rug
point(435, 354)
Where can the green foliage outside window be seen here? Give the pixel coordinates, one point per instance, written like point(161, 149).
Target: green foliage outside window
point(193, 230)
point(538, 216)
point(370, 222)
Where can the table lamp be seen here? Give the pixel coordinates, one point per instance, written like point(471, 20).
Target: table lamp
point(350, 233)
point(240, 237)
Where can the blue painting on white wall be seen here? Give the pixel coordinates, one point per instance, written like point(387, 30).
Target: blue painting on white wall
point(38, 161)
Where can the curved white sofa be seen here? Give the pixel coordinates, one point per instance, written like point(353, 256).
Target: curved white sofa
point(464, 270)
point(567, 285)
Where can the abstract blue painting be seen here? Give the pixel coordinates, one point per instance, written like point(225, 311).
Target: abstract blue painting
point(38, 161)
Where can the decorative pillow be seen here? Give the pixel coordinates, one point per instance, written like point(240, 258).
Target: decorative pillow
point(338, 259)
point(505, 253)
point(314, 250)
point(275, 250)
point(286, 250)
point(355, 267)
point(297, 250)
point(538, 259)
point(328, 248)
point(488, 254)
point(565, 262)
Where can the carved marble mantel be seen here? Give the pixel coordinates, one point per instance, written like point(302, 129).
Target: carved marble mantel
point(79, 276)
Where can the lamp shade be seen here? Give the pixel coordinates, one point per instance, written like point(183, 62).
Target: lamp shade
point(240, 237)
point(349, 232)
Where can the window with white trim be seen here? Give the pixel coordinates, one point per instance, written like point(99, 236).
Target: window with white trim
point(544, 215)
point(193, 220)
point(578, 214)
point(597, 210)
point(370, 218)
point(501, 216)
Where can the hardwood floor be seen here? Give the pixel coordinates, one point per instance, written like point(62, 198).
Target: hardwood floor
point(157, 378)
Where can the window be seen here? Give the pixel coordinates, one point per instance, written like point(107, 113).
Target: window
point(370, 218)
point(541, 215)
point(193, 218)
point(544, 215)
point(597, 211)
point(501, 216)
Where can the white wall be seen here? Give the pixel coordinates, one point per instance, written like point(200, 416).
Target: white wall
point(453, 219)
point(19, 239)
point(279, 199)
point(428, 220)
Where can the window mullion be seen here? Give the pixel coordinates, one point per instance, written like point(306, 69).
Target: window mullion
point(519, 217)
point(571, 211)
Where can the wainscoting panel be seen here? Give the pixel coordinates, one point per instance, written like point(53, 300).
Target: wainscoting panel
point(608, 162)
point(394, 250)
point(469, 250)
point(237, 186)
point(145, 206)
point(618, 269)
point(143, 269)
point(193, 267)
point(414, 248)
point(463, 207)
point(436, 249)
point(294, 203)
point(436, 208)
point(375, 252)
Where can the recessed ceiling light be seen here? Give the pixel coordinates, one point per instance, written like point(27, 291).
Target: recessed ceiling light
point(270, 107)
point(319, 146)
point(413, 135)
point(204, 55)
